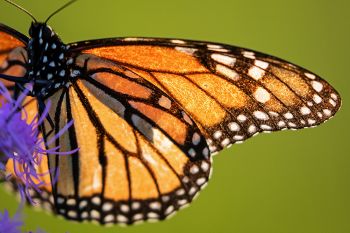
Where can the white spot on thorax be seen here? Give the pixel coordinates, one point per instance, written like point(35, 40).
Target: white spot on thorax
point(62, 73)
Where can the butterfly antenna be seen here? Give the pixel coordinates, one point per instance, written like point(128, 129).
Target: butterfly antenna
point(59, 9)
point(22, 9)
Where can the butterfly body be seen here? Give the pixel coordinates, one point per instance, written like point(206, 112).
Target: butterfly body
point(48, 66)
point(148, 115)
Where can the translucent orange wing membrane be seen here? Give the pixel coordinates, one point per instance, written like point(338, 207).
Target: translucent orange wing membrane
point(140, 156)
point(12, 54)
point(231, 93)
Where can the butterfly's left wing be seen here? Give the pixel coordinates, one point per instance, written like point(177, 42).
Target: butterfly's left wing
point(231, 93)
point(13, 54)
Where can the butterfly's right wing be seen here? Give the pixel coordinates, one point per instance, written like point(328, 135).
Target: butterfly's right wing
point(232, 93)
point(13, 54)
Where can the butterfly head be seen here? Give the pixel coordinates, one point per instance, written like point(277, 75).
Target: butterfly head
point(46, 59)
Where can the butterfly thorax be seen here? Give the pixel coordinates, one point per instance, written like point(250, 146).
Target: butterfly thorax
point(47, 62)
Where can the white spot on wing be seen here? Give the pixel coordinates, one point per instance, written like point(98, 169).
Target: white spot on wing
point(261, 115)
point(165, 102)
point(196, 138)
point(305, 110)
point(310, 76)
point(225, 142)
point(186, 50)
point(317, 86)
point(248, 54)
point(217, 134)
point(241, 118)
point(233, 126)
point(178, 41)
point(227, 60)
point(317, 99)
point(288, 115)
point(227, 72)
point(256, 72)
point(261, 64)
point(262, 95)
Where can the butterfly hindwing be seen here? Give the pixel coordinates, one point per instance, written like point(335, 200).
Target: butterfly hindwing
point(232, 93)
point(140, 156)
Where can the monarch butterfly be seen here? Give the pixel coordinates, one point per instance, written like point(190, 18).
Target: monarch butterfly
point(149, 114)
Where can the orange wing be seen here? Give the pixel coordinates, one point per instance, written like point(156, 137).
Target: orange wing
point(231, 93)
point(13, 55)
point(140, 158)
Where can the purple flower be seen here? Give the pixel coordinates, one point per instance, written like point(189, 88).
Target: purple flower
point(20, 141)
point(9, 225)
point(13, 225)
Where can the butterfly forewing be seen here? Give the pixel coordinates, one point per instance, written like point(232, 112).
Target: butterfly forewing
point(232, 93)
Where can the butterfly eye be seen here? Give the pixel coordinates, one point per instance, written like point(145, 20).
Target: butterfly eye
point(33, 30)
point(46, 32)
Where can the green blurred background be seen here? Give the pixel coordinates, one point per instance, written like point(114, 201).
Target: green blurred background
point(290, 181)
